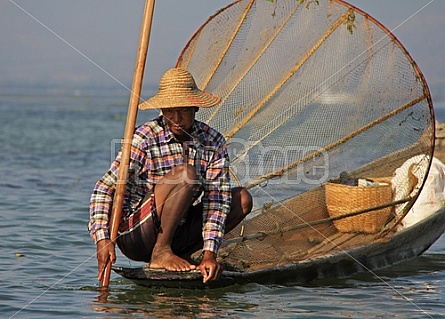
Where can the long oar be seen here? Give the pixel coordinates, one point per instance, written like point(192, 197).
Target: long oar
point(129, 130)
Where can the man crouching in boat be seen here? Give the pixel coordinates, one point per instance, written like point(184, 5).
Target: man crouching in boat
point(178, 196)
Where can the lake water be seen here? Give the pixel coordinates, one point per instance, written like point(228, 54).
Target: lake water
point(53, 149)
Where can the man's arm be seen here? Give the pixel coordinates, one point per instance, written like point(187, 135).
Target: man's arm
point(216, 206)
point(101, 203)
point(98, 226)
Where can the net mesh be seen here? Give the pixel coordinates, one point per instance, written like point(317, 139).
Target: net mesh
point(309, 91)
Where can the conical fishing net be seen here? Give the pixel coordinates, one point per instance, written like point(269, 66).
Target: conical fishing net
point(317, 96)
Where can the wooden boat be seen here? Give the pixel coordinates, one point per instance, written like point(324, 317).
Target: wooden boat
point(298, 109)
point(365, 256)
point(300, 253)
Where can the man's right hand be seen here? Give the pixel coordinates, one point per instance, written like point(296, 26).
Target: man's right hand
point(104, 252)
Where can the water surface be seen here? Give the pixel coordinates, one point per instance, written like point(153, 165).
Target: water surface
point(54, 147)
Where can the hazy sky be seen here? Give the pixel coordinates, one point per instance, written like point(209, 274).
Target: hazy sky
point(93, 42)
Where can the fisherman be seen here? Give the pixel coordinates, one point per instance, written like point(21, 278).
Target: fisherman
point(178, 196)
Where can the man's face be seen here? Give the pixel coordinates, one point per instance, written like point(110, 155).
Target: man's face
point(179, 119)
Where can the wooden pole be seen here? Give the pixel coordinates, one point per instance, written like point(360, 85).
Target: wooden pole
point(118, 200)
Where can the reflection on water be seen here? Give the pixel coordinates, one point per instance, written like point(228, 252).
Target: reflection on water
point(172, 303)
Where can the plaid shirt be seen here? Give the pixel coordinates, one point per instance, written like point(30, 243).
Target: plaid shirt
point(155, 151)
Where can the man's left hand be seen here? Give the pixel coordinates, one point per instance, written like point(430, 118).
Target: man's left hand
point(209, 268)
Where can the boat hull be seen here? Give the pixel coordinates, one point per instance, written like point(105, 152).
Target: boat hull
point(405, 245)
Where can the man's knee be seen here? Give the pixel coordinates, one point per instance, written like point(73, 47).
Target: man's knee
point(244, 198)
point(246, 201)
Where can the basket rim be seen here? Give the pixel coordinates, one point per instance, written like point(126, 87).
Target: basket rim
point(380, 184)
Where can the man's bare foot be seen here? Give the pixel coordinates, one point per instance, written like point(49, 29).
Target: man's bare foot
point(166, 259)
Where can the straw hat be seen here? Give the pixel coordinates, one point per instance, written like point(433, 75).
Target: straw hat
point(178, 89)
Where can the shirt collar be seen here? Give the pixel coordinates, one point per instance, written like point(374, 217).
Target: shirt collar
point(168, 135)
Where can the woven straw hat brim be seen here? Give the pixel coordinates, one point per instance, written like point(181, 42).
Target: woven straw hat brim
point(185, 99)
point(178, 89)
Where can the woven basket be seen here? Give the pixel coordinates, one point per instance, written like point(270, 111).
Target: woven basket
point(343, 199)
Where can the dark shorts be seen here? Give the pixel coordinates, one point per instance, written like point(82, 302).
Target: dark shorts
point(137, 235)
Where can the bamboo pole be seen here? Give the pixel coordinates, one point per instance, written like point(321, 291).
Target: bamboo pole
point(118, 200)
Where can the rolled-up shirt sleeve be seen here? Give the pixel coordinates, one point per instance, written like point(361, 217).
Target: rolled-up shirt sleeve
point(216, 199)
point(101, 200)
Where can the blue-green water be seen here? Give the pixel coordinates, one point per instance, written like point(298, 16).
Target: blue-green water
point(54, 147)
